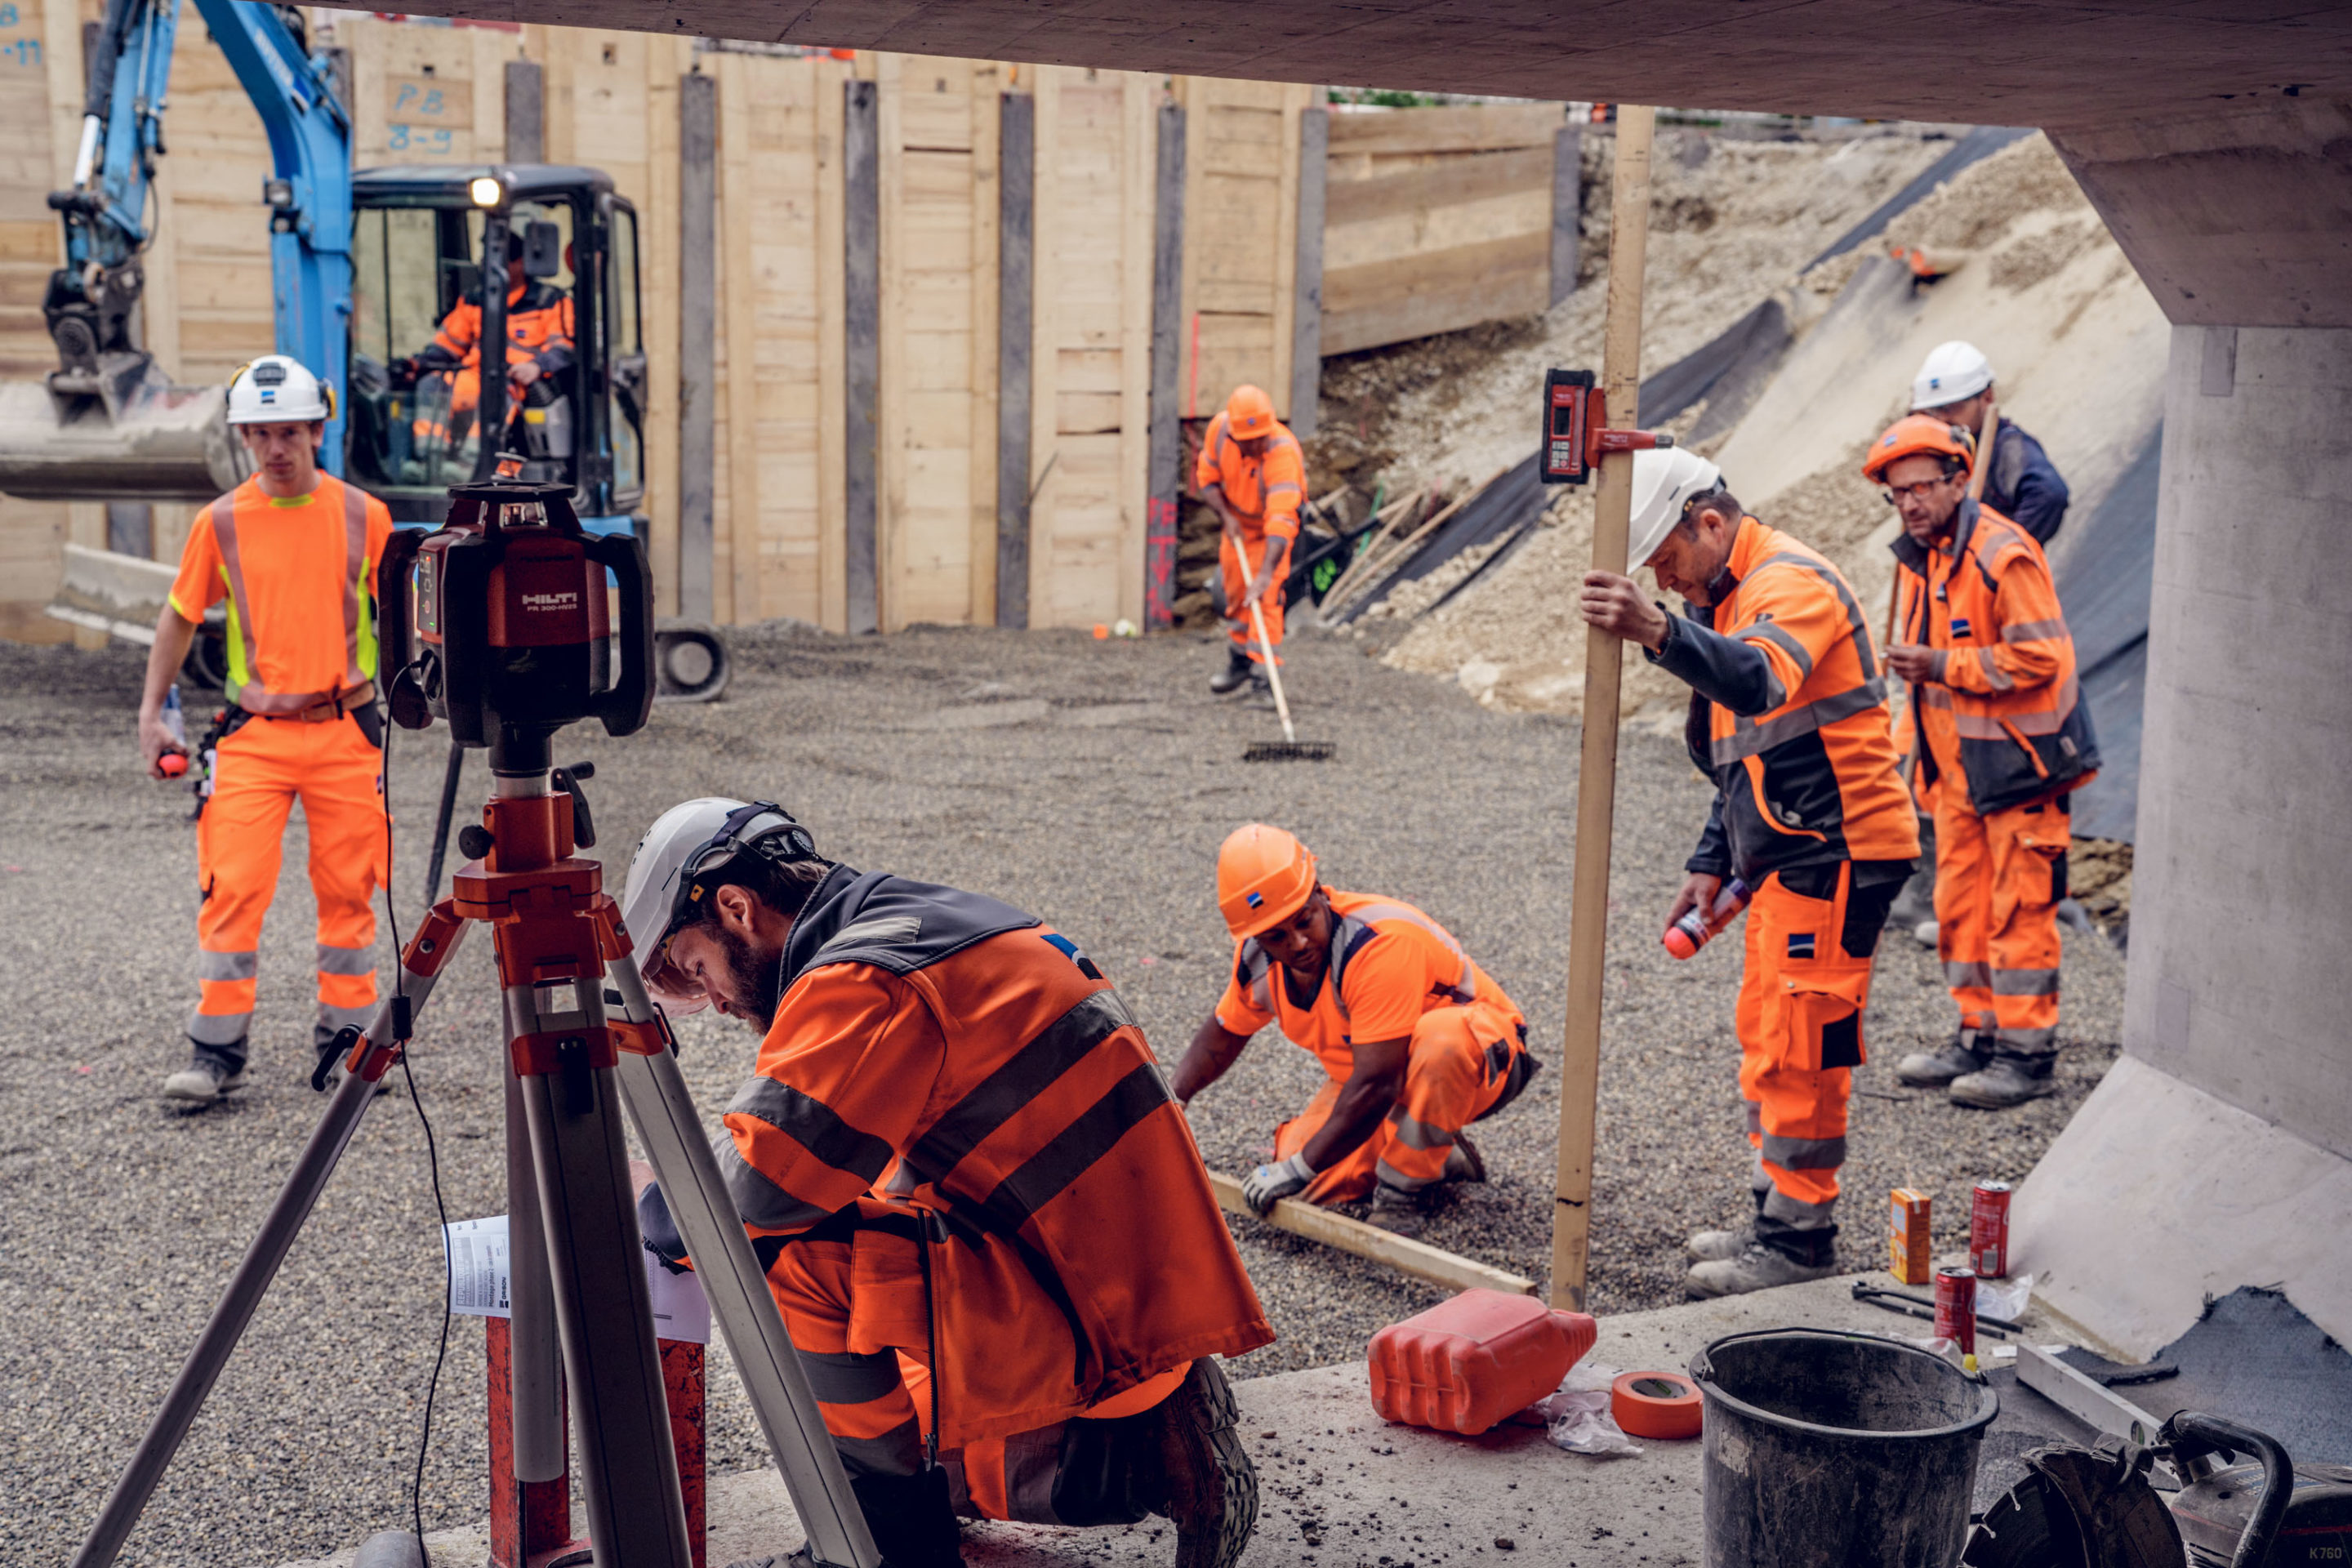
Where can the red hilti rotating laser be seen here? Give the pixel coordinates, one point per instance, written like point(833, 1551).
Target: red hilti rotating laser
point(506, 638)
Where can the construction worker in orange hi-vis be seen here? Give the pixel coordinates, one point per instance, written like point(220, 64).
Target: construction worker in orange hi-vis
point(982, 1214)
point(1416, 1041)
point(1789, 718)
point(1253, 474)
point(540, 347)
point(294, 552)
point(2003, 737)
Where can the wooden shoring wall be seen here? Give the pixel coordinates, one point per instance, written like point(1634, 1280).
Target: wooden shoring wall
point(1090, 374)
point(1436, 219)
point(40, 109)
point(1241, 239)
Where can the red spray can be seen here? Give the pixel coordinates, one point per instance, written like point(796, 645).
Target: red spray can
point(1956, 1308)
point(1698, 927)
point(1989, 1230)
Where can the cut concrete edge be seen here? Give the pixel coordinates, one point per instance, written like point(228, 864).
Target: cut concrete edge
point(2158, 1197)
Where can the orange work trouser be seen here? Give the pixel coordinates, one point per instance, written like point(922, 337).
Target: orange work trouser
point(259, 774)
point(1236, 572)
point(859, 1306)
point(1802, 997)
point(1999, 881)
point(1458, 1068)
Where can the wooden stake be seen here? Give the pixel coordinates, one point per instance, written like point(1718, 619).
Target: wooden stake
point(1596, 789)
point(1386, 1247)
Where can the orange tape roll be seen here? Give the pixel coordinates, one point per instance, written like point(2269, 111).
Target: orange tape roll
point(1655, 1404)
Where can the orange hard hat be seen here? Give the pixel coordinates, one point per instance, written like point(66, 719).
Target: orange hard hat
point(1264, 876)
point(1913, 435)
point(1249, 413)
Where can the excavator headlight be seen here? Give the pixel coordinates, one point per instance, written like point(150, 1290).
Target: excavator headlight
point(486, 192)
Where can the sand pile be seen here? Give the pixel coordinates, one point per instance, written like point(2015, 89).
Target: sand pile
point(2075, 339)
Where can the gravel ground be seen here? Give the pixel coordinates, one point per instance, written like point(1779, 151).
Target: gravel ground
point(1088, 781)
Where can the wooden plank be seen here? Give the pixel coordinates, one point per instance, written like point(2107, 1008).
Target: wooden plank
point(861, 242)
point(1500, 298)
point(1402, 1253)
point(698, 365)
point(1442, 231)
point(1307, 313)
point(740, 324)
point(1444, 182)
point(1404, 278)
point(831, 91)
point(526, 113)
point(1167, 459)
point(1470, 127)
point(985, 117)
point(1567, 208)
point(1017, 166)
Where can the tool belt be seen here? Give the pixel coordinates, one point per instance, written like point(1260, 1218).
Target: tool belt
point(329, 708)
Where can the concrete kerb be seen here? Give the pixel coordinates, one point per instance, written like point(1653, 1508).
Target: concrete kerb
point(1340, 1487)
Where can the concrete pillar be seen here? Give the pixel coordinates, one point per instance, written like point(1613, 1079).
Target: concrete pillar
point(2219, 1153)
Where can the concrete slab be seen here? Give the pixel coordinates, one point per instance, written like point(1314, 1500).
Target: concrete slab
point(1342, 1489)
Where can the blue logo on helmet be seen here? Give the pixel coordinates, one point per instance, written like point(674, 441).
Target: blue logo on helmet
point(1254, 900)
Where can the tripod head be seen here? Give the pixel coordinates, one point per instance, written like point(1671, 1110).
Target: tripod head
point(497, 624)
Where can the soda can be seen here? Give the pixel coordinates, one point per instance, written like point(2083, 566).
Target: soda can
point(1989, 1230)
point(1956, 1308)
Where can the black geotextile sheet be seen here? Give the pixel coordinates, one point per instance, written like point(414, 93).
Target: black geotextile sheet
point(2104, 566)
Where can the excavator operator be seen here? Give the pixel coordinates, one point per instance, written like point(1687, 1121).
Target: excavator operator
point(982, 1214)
point(540, 349)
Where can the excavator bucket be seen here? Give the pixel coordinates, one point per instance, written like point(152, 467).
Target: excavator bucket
point(124, 433)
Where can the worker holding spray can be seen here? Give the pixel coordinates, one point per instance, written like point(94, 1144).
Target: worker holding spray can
point(1789, 718)
point(294, 552)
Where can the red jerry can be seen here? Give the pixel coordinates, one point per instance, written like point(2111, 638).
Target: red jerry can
point(1466, 1364)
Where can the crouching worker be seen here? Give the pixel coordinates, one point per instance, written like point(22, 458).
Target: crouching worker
point(958, 1158)
point(1417, 1040)
point(1789, 718)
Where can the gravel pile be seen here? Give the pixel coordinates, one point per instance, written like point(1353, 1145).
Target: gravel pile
point(1088, 781)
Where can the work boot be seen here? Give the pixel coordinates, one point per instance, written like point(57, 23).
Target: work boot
point(204, 1079)
point(1926, 933)
point(1399, 1212)
point(1261, 690)
point(1718, 1246)
point(1463, 1161)
point(1758, 1268)
point(1236, 671)
point(913, 1523)
point(2006, 1082)
point(1925, 1069)
point(1212, 1488)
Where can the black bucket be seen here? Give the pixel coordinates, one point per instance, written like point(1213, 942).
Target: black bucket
point(1835, 1450)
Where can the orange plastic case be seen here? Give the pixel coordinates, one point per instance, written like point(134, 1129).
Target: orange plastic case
point(1467, 1363)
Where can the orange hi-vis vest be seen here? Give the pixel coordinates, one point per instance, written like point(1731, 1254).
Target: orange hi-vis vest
point(1389, 964)
point(1267, 491)
point(1812, 778)
point(538, 327)
point(2004, 712)
point(298, 573)
point(939, 1047)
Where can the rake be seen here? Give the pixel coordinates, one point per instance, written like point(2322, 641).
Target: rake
point(1290, 748)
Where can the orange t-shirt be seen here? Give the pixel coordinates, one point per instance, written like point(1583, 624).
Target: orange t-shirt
point(1393, 962)
point(292, 555)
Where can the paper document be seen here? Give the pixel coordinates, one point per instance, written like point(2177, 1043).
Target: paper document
point(481, 1282)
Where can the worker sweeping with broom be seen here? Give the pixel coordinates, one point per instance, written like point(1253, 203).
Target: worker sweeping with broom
point(1253, 474)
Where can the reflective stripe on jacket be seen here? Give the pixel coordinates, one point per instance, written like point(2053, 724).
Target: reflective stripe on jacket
point(1267, 491)
point(2004, 703)
point(939, 1046)
point(1788, 717)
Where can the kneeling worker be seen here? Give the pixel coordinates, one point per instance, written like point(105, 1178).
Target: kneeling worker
point(1417, 1040)
point(1789, 718)
point(958, 1153)
point(2005, 738)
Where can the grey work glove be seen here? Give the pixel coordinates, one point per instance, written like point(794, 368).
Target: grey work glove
point(1269, 1184)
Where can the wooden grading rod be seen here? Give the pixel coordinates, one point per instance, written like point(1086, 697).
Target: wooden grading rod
point(1596, 779)
point(1402, 1253)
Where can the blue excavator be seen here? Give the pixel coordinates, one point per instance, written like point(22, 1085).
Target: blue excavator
point(366, 268)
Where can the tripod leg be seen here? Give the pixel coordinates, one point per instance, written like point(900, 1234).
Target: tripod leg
point(636, 1516)
point(664, 1115)
point(245, 1288)
point(449, 776)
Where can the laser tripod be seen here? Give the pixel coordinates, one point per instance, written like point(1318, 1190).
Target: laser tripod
point(572, 1065)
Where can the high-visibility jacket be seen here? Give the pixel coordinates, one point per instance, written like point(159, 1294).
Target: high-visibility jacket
point(1788, 717)
point(1389, 964)
point(958, 1055)
point(298, 573)
point(2003, 711)
point(538, 329)
point(1267, 491)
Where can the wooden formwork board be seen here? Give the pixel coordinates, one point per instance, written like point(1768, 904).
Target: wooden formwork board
point(1241, 239)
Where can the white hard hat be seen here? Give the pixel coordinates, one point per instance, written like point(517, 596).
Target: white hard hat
point(1953, 372)
point(1663, 481)
point(277, 389)
point(672, 869)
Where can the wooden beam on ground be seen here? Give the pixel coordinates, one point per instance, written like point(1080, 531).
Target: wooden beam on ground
point(1402, 1253)
point(1596, 787)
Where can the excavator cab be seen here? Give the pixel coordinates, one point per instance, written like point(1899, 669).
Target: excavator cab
point(557, 252)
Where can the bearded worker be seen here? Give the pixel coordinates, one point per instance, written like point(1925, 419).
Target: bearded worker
point(958, 1152)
